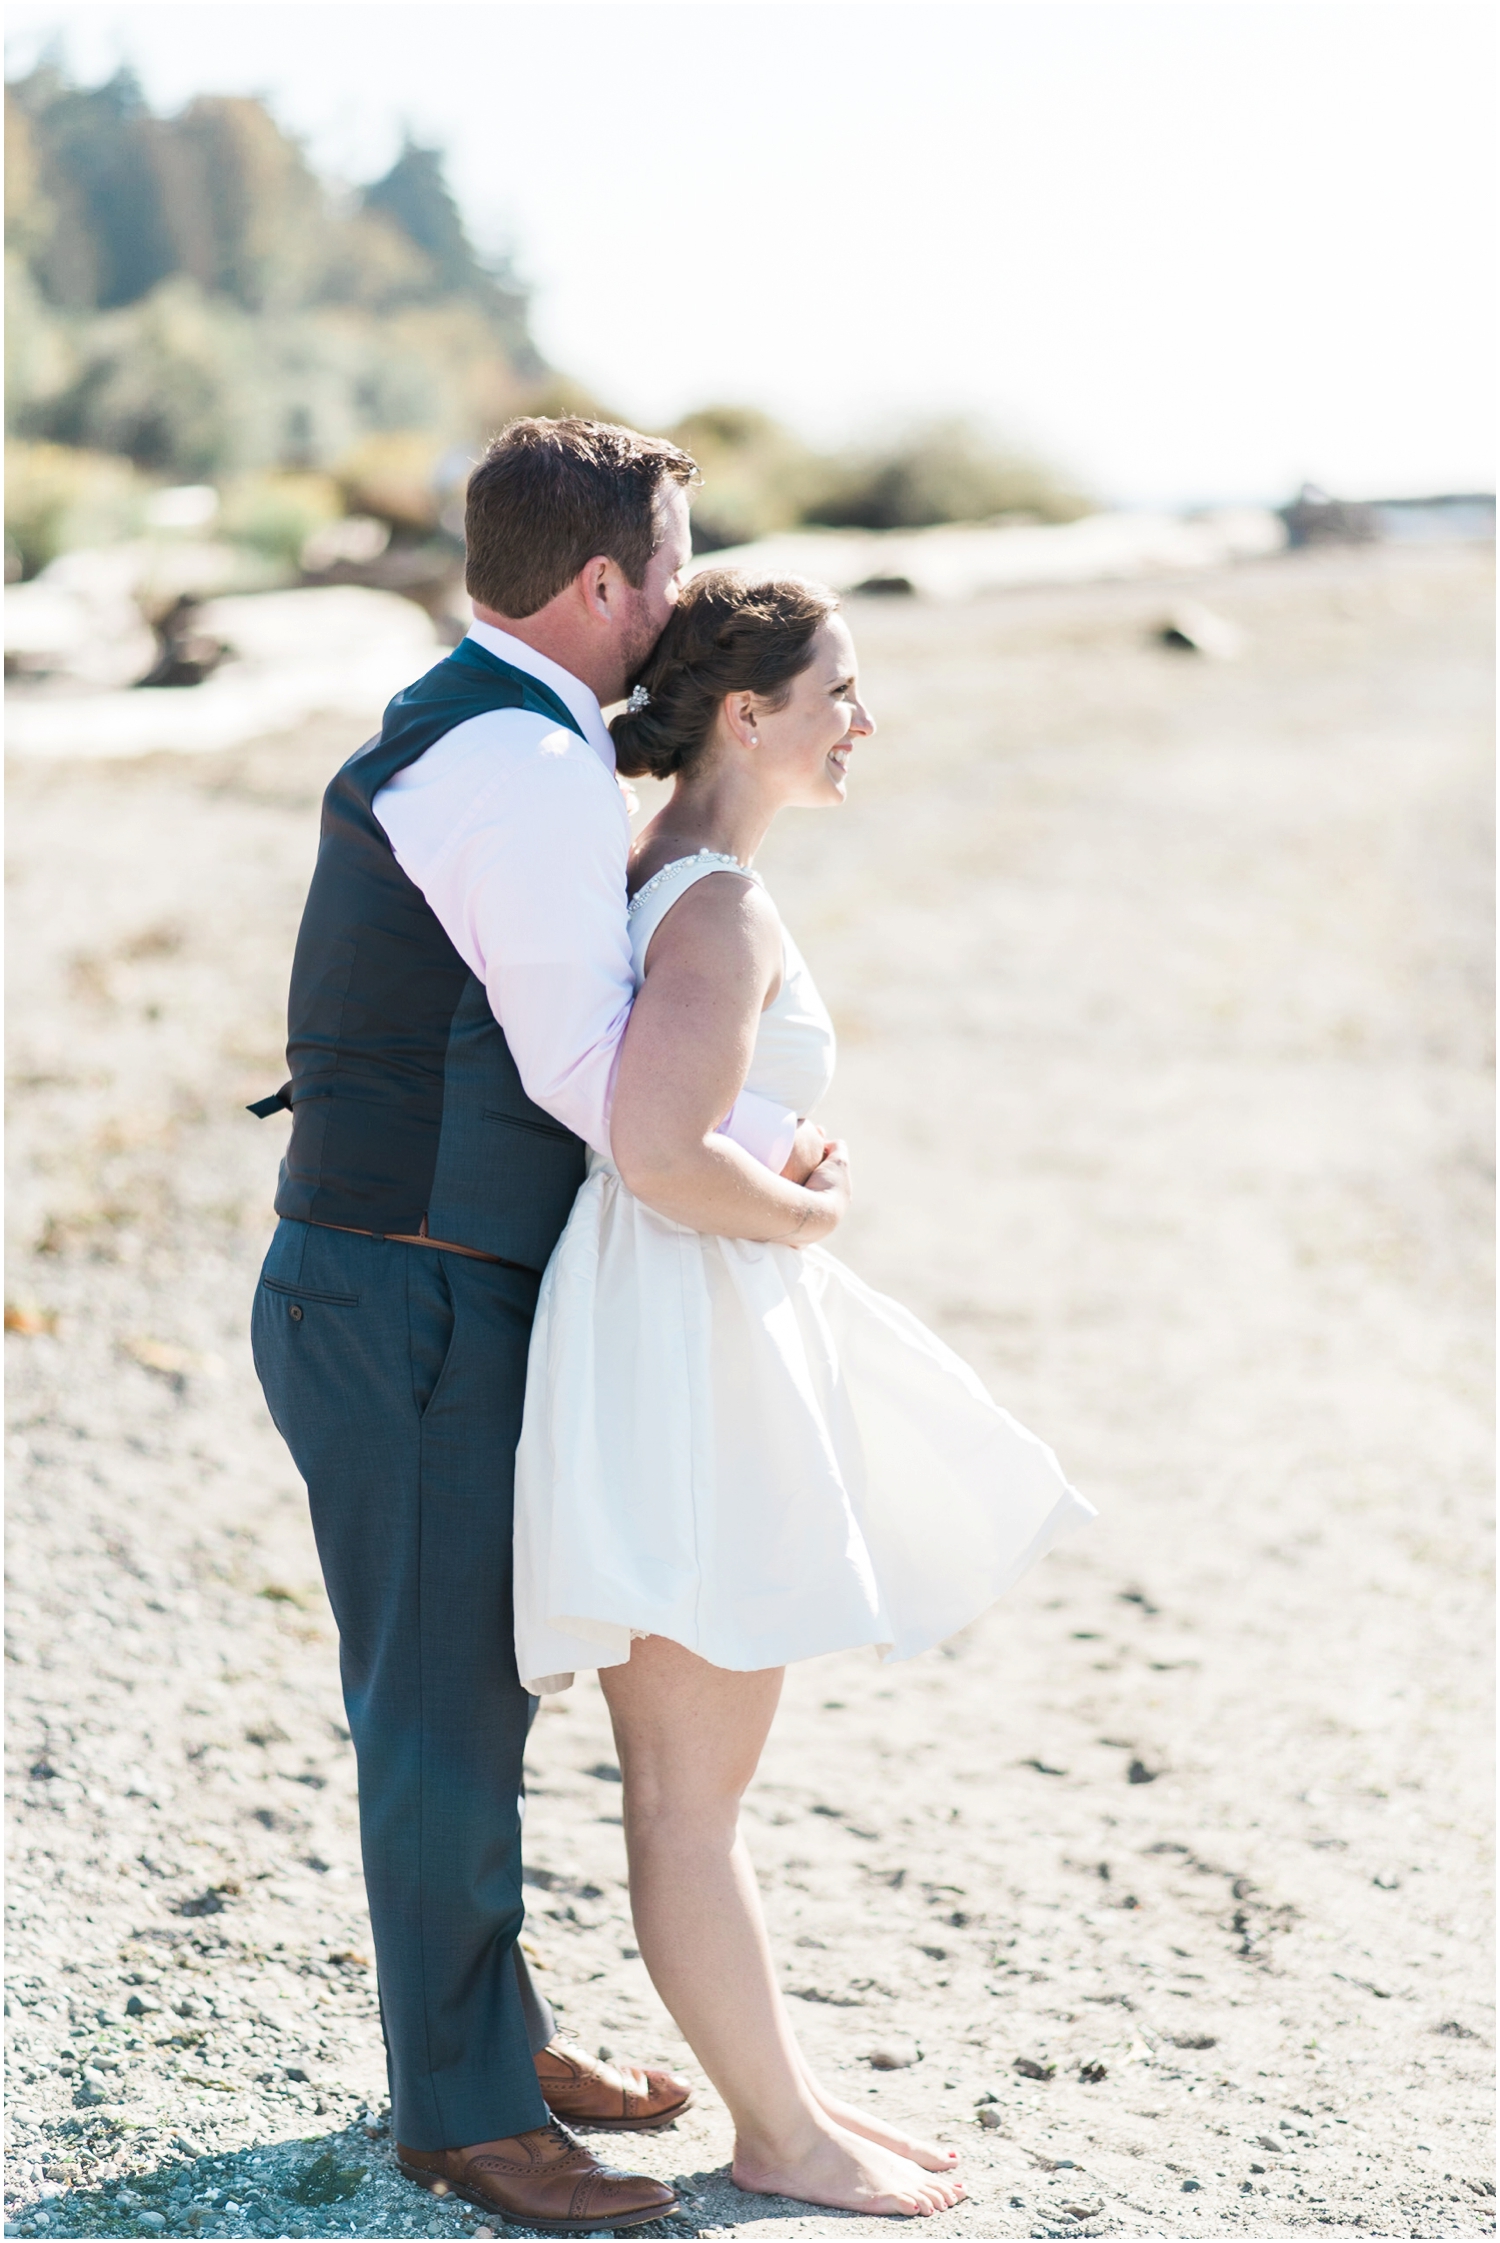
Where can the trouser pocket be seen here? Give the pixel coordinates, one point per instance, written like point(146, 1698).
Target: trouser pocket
point(431, 1322)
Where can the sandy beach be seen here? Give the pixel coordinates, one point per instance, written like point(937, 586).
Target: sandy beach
point(1165, 1892)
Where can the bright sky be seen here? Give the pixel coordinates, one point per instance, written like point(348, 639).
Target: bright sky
point(1192, 252)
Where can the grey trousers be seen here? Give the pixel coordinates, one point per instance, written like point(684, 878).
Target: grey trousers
point(396, 1376)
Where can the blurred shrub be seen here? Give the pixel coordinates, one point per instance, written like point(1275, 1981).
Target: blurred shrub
point(947, 471)
point(276, 514)
point(57, 499)
point(190, 385)
point(757, 476)
point(161, 381)
point(396, 477)
point(40, 354)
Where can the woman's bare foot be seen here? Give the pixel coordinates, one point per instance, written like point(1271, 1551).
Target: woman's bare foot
point(847, 2173)
point(931, 2156)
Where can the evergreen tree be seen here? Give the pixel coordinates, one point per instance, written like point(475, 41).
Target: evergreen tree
point(247, 215)
point(415, 197)
point(97, 148)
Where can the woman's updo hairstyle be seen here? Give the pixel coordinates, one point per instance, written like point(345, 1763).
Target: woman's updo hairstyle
point(727, 634)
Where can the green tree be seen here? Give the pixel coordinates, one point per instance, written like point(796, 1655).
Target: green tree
point(186, 292)
point(109, 239)
point(414, 198)
point(246, 213)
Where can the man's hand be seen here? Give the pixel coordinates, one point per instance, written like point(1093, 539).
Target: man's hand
point(809, 1149)
point(832, 1182)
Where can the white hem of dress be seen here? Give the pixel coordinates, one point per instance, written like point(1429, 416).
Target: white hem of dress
point(1070, 1512)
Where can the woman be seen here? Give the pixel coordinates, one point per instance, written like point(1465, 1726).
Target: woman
point(734, 1453)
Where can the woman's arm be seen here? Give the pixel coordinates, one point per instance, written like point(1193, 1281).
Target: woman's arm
point(684, 1061)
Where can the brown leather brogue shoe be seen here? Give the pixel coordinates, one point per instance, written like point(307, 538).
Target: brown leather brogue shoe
point(543, 2180)
point(625, 2098)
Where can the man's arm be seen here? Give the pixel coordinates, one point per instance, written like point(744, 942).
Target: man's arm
point(516, 835)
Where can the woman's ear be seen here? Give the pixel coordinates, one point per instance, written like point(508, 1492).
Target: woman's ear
point(740, 716)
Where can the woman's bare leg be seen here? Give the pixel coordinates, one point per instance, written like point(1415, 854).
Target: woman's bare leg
point(689, 1736)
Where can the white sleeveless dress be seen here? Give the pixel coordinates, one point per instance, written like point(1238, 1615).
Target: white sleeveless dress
point(743, 1447)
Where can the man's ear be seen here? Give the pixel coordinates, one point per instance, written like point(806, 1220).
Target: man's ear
point(600, 584)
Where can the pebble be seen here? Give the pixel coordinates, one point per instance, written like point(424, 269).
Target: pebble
point(208, 1470)
point(894, 2056)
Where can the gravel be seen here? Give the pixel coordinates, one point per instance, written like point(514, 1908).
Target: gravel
point(1160, 989)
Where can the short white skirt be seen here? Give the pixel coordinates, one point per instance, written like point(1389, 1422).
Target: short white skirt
point(747, 1450)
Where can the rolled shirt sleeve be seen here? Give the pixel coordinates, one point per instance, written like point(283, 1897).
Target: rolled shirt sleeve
point(762, 1129)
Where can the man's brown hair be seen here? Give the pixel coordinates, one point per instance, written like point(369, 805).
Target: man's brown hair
point(548, 495)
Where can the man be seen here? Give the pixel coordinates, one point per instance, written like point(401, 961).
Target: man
point(460, 988)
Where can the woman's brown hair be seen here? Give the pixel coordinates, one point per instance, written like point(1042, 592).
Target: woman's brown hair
point(729, 633)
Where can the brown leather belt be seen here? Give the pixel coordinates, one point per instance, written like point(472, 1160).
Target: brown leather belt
point(420, 1238)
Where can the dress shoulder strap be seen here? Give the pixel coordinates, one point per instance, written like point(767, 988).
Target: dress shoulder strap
point(651, 902)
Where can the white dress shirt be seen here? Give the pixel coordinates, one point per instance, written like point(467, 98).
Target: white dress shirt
point(516, 832)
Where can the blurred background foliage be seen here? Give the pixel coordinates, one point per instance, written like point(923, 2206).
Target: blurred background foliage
point(190, 304)
point(945, 471)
